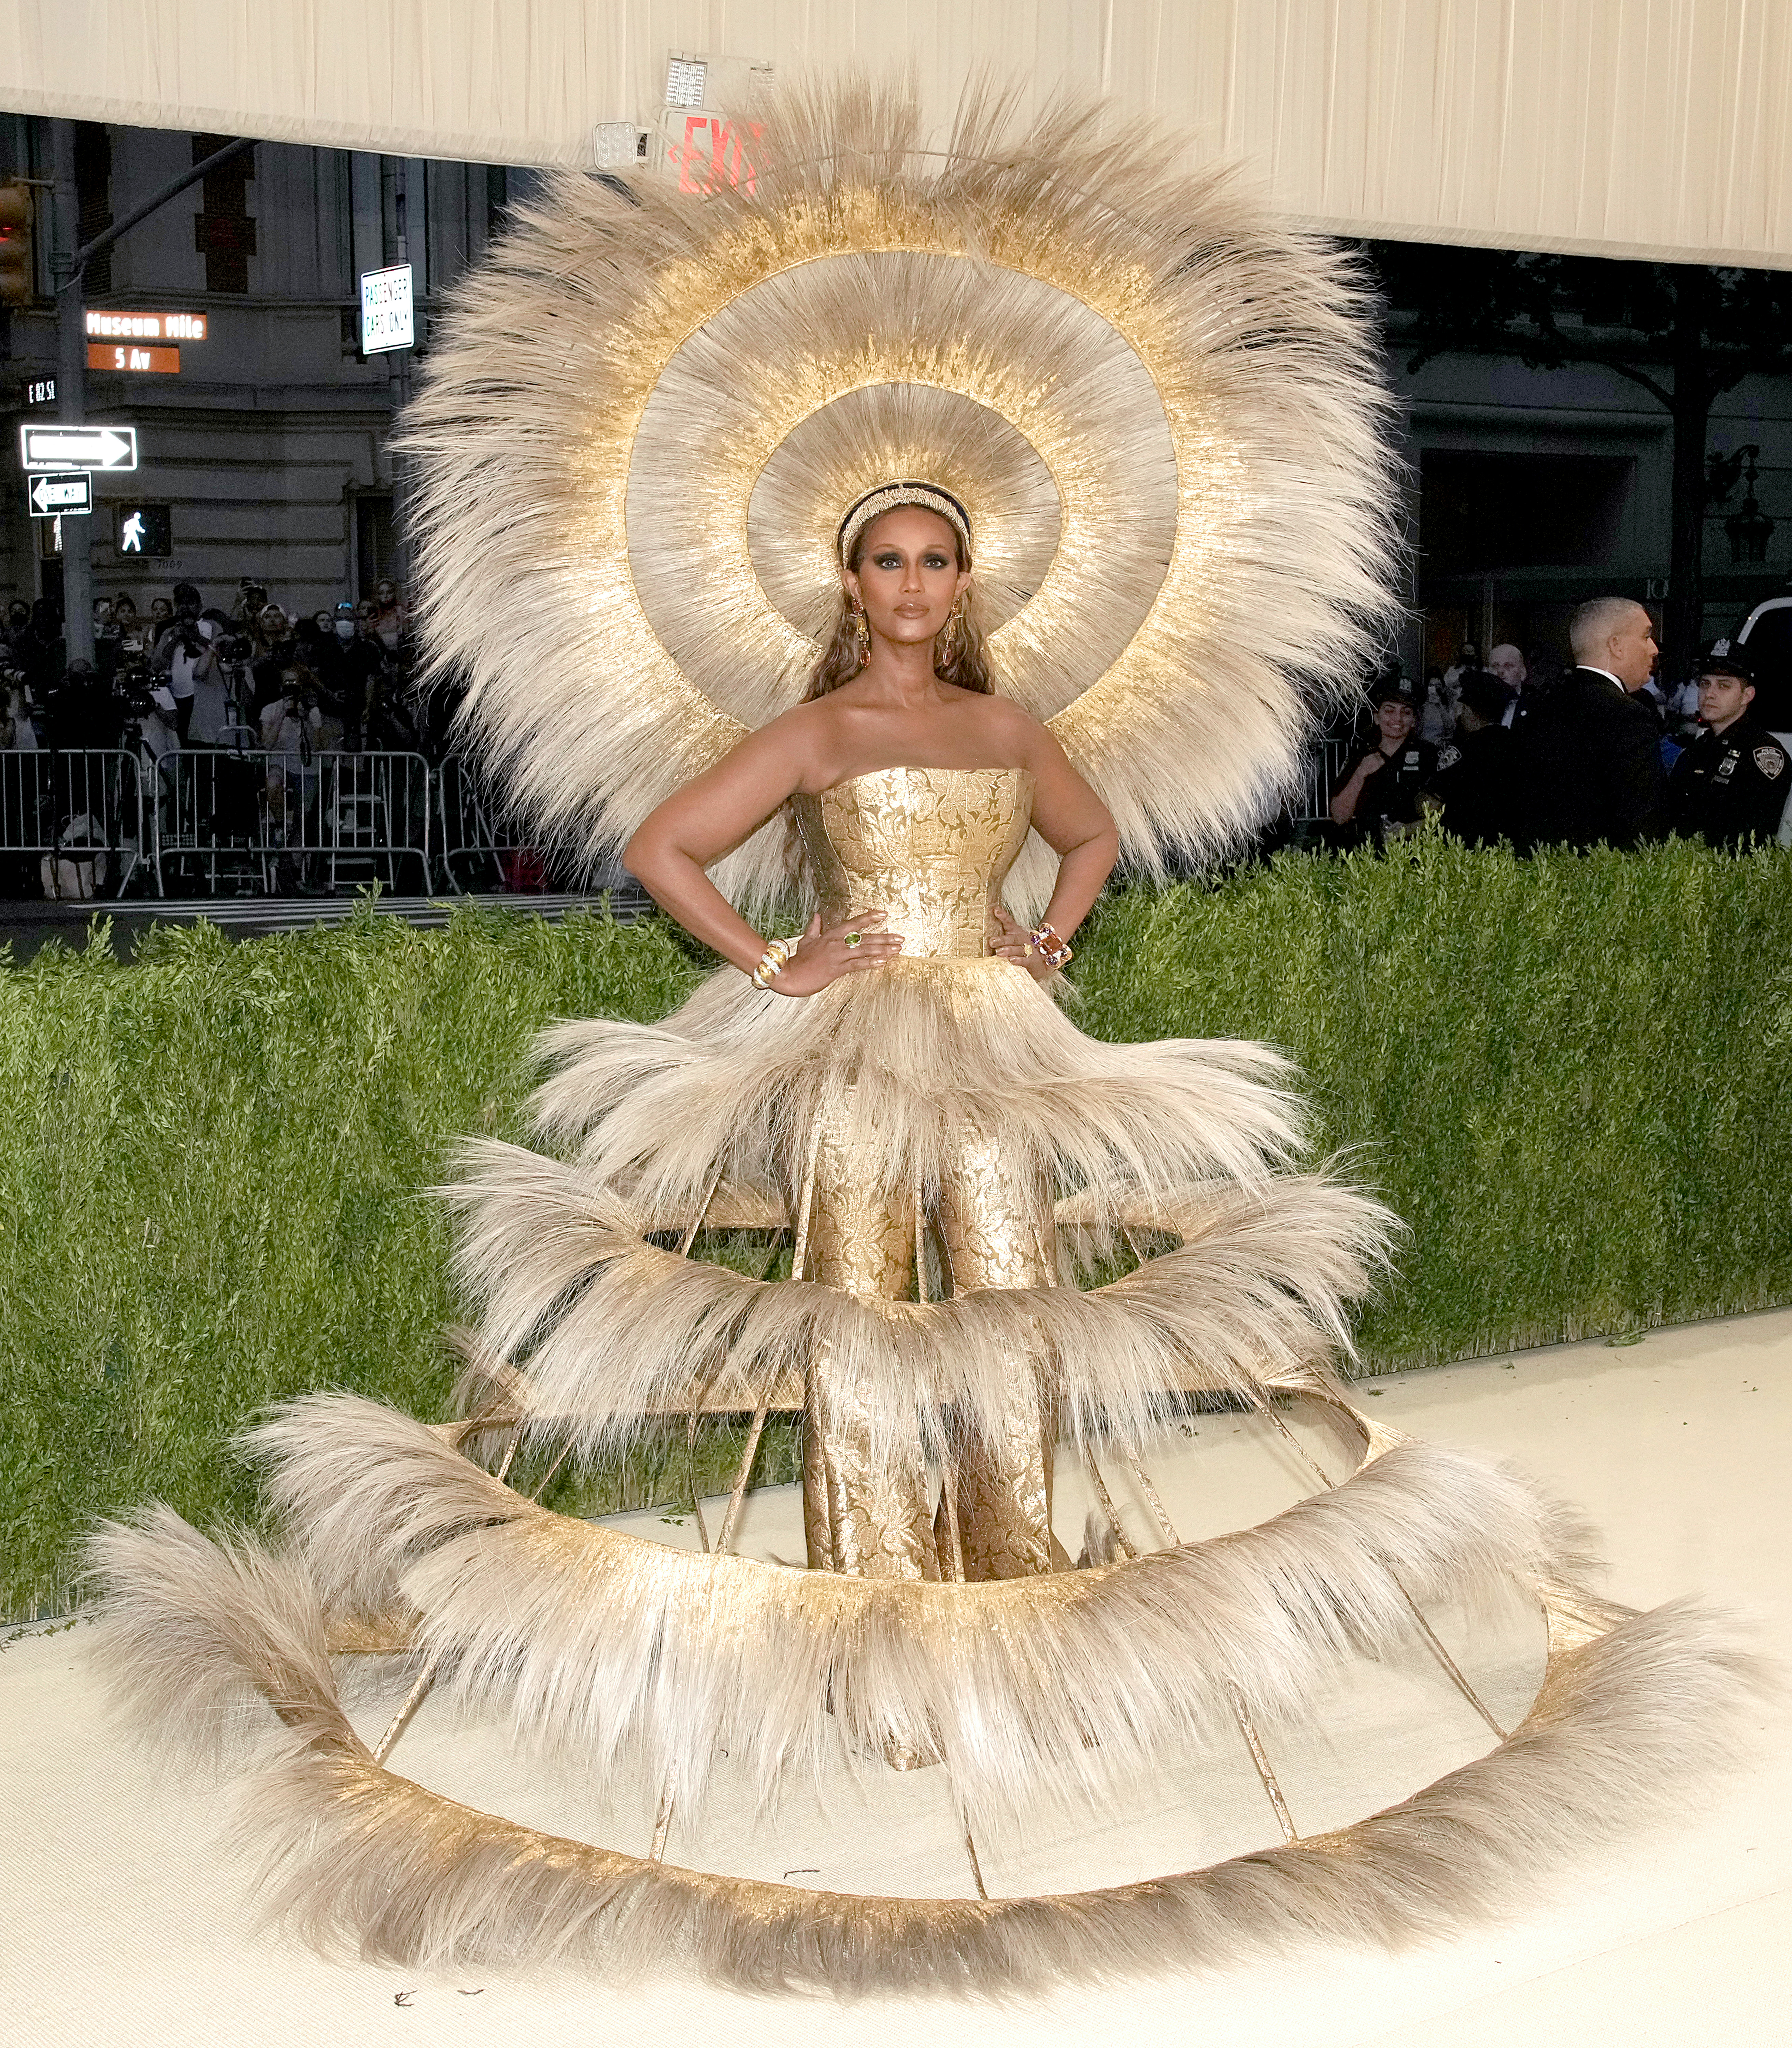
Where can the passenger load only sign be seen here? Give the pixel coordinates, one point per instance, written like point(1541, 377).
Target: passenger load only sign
point(386, 309)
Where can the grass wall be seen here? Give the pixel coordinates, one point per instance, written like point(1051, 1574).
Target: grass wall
point(1570, 1075)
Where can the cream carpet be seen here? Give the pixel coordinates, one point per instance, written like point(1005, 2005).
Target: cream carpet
point(121, 1920)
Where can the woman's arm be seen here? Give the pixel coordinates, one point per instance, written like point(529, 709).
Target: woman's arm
point(713, 814)
point(1344, 803)
point(1074, 822)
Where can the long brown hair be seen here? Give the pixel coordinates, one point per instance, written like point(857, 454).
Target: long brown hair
point(967, 669)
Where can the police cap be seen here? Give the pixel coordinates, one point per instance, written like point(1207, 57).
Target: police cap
point(1724, 658)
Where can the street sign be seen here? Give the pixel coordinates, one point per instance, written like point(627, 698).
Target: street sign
point(40, 390)
point(78, 447)
point(132, 356)
point(48, 497)
point(386, 309)
point(104, 325)
point(143, 530)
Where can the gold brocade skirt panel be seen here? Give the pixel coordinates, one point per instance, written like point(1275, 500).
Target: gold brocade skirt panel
point(868, 1511)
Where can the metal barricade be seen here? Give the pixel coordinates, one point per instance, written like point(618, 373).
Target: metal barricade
point(277, 820)
point(481, 846)
point(76, 816)
point(1325, 771)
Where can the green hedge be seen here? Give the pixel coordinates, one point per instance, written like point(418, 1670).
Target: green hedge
point(1568, 1074)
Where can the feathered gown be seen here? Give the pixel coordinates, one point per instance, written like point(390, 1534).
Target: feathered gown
point(949, 1154)
point(919, 1124)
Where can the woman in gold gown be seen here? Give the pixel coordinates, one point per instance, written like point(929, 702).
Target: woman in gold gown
point(913, 786)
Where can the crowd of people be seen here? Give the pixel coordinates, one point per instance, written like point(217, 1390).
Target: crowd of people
point(1507, 751)
point(248, 699)
point(183, 674)
point(1599, 754)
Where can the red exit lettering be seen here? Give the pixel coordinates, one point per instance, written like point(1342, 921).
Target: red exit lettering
point(727, 162)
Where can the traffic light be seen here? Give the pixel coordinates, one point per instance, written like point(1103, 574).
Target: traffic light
point(18, 262)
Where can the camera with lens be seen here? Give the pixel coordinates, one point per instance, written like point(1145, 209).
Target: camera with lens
point(133, 686)
point(234, 647)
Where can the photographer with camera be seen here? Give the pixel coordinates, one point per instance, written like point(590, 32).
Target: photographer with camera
point(222, 692)
point(183, 654)
point(149, 716)
point(124, 614)
point(295, 730)
point(350, 665)
point(277, 650)
point(251, 602)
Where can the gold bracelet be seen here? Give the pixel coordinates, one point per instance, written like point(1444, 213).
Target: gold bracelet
point(777, 958)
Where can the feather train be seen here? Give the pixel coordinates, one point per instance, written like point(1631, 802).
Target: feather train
point(1633, 1710)
point(1067, 1687)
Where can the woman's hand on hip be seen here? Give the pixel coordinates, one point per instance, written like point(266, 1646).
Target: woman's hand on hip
point(1013, 941)
point(851, 947)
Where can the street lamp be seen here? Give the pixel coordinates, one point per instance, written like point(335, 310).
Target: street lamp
point(1750, 529)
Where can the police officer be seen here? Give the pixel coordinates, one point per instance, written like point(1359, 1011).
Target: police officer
point(1730, 785)
point(1378, 796)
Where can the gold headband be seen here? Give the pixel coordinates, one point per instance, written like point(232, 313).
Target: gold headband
point(887, 497)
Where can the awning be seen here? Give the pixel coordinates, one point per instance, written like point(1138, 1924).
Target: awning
point(1655, 128)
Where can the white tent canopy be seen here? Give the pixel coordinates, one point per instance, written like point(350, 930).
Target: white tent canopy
point(1659, 128)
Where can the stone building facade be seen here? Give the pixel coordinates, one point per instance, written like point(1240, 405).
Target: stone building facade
point(269, 447)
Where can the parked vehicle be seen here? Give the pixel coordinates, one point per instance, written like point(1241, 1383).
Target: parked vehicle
point(1766, 635)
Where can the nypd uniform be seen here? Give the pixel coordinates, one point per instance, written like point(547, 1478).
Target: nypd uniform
point(1390, 796)
point(1731, 787)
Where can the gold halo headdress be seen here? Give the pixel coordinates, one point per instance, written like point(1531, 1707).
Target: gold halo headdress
point(888, 498)
point(1161, 410)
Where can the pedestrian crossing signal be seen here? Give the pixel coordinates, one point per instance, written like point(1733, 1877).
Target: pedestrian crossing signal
point(142, 530)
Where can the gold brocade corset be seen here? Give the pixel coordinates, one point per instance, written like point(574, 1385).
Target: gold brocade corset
point(931, 846)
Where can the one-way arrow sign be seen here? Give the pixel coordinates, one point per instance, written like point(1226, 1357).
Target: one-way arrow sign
point(78, 447)
point(49, 495)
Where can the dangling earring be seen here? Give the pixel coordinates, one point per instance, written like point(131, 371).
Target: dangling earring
point(861, 626)
point(949, 640)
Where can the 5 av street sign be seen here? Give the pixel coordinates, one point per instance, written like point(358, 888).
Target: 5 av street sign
point(78, 447)
point(49, 496)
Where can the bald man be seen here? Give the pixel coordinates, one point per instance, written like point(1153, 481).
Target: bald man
point(1507, 662)
point(1592, 747)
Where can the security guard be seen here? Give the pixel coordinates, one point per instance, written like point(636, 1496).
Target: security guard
point(1730, 785)
point(1377, 798)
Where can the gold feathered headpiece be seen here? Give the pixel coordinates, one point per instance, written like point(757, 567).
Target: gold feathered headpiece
point(1163, 413)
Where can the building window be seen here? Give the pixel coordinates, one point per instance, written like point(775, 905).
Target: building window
point(374, 551)
point(223, 233)
point(1485, 511)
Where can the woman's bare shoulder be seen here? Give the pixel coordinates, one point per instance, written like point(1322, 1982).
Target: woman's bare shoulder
point(1015, 730)
point(805, 727)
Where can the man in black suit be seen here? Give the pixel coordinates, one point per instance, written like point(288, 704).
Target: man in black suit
point(1479, 790)
point(1592, 749)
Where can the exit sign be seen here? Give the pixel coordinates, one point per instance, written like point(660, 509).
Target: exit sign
point(129, 356)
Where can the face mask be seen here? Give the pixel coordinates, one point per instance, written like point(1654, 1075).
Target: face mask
point(345, 628)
